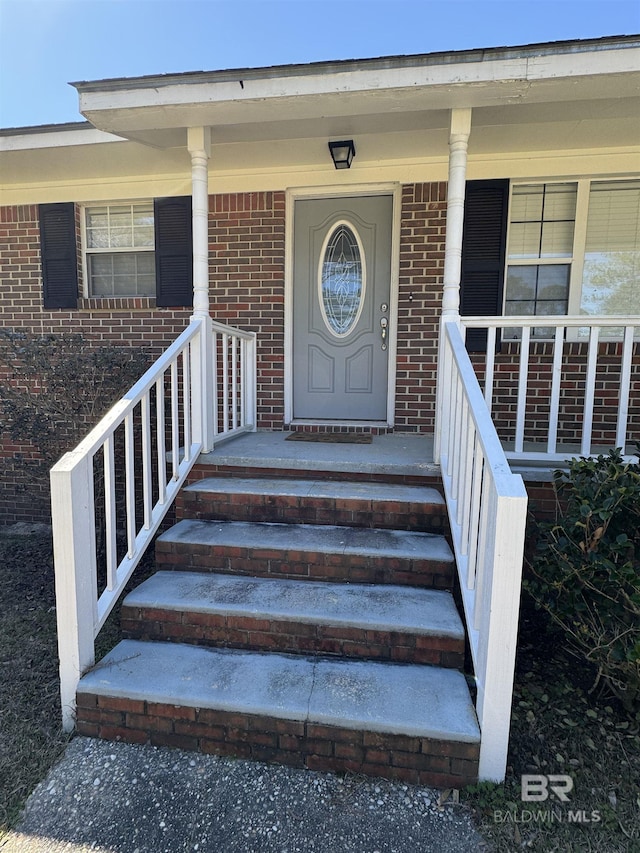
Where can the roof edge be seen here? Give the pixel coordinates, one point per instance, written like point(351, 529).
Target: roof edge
point(46, 128)
point(346, 65)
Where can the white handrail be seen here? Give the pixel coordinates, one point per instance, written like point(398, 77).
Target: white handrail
point(487, 507)
point(585, 364)
point(83, 601)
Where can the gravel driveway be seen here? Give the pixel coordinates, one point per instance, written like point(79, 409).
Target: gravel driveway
point(119, 798)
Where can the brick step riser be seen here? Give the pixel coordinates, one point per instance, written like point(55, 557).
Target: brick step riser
point(301, 565)
point(203, 472)
point(416, 760)
point(249, 633)
point(392, 515)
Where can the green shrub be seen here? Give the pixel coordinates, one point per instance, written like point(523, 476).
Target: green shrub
point(586, 569)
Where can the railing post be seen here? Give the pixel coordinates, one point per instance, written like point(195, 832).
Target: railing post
point(499, 631)
point(203, 387)
point(249, 388)
point(74, 549)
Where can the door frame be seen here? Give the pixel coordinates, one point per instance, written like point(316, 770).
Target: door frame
point(299, 193)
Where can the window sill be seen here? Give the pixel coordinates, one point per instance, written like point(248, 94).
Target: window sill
point(117, 303)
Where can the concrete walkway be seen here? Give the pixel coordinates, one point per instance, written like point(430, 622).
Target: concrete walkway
point(119, 798)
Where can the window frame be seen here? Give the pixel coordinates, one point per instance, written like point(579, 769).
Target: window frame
point(577, 259)
point(86, 251)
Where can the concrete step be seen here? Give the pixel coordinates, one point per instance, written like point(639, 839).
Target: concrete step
point(304, 551)
point(400, 721)
point(353, 620)
point(357, 504)
point(392, 458)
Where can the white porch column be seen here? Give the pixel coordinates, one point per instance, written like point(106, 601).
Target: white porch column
point(459, 132)
point(199, 145)
point(203, 379)
point(458, 145)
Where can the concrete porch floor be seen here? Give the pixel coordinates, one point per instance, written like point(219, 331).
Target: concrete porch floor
point(391, 454)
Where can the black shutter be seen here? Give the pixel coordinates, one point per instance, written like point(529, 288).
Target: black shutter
point(174, 252)
point(58, 251)
point(483, 254)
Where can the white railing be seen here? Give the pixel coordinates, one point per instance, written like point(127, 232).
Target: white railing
point(234, 371)
point(110, 494)
point(487, 507)
point(570, 392)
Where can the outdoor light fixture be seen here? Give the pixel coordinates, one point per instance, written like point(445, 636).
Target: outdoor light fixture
point(342, 153)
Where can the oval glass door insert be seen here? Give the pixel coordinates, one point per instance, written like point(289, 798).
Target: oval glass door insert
point(341, 279)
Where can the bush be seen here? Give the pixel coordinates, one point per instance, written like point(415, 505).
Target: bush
point(586, 569)
point(53, 389)
point(60, 386)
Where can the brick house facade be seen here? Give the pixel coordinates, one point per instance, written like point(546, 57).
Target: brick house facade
point(246, 268)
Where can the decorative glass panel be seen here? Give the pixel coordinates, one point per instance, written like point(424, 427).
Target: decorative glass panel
point(341, 280)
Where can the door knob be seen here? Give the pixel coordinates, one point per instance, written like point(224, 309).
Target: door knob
point(383, 331)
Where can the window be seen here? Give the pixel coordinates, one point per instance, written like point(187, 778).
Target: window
point(573, 248)
point(119, 250)
point(129, 249)
point(540, 250)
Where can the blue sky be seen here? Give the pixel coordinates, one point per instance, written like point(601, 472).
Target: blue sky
point(45, 44)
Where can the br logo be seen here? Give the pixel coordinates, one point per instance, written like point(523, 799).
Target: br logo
point(536, 787)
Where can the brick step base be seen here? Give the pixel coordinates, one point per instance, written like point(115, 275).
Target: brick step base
point(301, 551)
point(352, 620)
point(398, 721)
point(203, 470)
point(305, 501)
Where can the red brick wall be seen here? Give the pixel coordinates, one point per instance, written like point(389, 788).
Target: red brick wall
point(124, 322)
point(246, 274)
point(422, 234)
point(247, 290)
point(134, 322)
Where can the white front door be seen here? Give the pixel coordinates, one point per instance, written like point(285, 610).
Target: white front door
point(341, 308)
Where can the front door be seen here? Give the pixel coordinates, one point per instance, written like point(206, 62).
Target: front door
point(341, 316)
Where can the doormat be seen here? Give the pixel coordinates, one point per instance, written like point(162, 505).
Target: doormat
point(331, 437)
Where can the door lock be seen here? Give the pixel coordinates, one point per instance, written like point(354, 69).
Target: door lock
point(384, 323)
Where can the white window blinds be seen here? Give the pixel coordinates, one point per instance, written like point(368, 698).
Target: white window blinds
point(611, 277)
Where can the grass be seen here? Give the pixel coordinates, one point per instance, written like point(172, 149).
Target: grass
point(558, 726)
point(31, 737)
